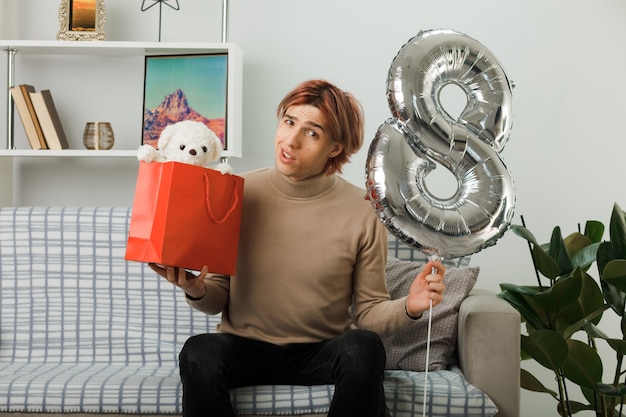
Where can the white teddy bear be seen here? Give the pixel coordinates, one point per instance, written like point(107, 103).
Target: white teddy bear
point(188, 142)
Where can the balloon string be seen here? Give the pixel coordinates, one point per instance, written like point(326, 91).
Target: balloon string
point(430, 322)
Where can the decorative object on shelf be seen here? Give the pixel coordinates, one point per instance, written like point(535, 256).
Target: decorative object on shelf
point(185, 87)
point(98, 136)
point(82, 20)
point(145, 7)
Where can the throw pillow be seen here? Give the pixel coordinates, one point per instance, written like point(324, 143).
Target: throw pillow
point(407, 350)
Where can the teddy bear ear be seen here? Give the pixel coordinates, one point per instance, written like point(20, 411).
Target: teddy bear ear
point(217, 148)
point(166, 135)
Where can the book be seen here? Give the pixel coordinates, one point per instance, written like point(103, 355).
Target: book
point(21, 98)
point(26, 90)
point(49, 119)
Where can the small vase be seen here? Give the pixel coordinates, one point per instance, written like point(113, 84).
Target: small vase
point(98, 136)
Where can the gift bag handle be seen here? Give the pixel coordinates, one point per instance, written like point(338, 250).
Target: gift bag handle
point(208, 201)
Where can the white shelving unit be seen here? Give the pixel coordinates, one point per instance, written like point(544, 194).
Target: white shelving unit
point(97, 60)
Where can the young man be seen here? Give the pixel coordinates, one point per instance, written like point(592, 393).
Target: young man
point(311, 251)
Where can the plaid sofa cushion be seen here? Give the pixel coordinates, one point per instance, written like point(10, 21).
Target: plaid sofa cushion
point(448, 394)
point(83, 330)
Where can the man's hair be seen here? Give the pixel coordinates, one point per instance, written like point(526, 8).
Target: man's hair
point(342, 113)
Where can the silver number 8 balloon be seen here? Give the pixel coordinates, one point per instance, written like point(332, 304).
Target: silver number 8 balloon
point(421, 136)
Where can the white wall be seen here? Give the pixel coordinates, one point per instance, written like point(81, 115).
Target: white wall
point(565, 57)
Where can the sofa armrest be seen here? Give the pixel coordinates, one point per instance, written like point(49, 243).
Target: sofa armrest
point(489, 349)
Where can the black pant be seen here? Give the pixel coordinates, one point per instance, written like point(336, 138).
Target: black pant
point(211, 364)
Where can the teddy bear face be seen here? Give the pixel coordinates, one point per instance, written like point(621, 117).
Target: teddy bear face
point(190, 142)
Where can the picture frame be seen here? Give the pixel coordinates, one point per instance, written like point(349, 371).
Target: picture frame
point(187, 87)
point(82, 20)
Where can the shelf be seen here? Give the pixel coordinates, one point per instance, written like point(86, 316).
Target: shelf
point(117, 48)
point(29, 177)
point(67, 153)
point(123, 49)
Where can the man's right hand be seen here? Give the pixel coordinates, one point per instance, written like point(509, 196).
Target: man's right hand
point(192, 285)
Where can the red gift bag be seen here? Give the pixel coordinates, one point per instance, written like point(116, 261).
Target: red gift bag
point(186, 216)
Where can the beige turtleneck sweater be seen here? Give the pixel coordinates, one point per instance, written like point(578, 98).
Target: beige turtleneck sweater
point(307, 249)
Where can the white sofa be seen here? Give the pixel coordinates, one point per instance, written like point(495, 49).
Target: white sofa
point(82, 331)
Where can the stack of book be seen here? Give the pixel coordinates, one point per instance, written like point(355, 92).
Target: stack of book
point(39, 117)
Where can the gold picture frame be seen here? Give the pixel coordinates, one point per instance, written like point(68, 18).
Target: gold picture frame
point(82, 20)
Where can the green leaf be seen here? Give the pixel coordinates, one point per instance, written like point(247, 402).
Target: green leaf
point(594, 230)
point(594, 331)
point(613, 296)
point(592, 318)
point(547, 347)
point(530, 383)
point(576, 242)
point(517, 296)
point(615, 274)
point(618, 345)
point(597, 402)
point(588, 304)
point(617, 231)
point(559, 253)
point(582, 366)
point(541, 259)
point(618, 390)
point(604, 256)
point(575, 407)
point(523, 232)
point(546, 266)
point(529, 290)
point(585, 256)
point(563, 293)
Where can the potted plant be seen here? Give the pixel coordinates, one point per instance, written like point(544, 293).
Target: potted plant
point(562, 313)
